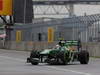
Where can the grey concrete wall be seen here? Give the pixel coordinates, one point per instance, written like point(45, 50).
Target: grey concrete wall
point(27, 46)
point(1, 44)
point(93, 48)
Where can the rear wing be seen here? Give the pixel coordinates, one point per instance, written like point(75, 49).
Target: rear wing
point(73, 43)
point(76, 44)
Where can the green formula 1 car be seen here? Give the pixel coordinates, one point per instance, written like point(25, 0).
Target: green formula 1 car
point(63, 53)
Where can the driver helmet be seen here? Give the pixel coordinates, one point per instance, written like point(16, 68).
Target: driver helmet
point(57, 46)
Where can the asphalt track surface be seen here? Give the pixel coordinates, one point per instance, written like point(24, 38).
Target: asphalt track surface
point(14, 63)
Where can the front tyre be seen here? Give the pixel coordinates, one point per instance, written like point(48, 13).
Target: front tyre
point(34, 61)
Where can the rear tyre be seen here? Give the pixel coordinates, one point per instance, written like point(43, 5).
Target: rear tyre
point(83, 57)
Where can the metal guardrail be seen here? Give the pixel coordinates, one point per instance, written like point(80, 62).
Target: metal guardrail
point(86, 28)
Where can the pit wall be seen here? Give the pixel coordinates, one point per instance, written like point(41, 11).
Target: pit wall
point(93, 48)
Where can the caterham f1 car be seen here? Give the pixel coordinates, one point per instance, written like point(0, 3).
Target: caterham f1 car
point(63, 53)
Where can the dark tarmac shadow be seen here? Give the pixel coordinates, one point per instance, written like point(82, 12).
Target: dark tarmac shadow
point(46, 64)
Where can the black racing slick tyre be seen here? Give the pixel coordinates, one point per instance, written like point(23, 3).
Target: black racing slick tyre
point(83, 57)
point(34, 57)
point(34, 63)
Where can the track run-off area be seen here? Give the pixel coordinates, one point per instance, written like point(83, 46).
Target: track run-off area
point(14, 63)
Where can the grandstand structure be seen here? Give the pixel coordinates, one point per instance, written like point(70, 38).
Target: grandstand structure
point(58, 7)
point(85, 28)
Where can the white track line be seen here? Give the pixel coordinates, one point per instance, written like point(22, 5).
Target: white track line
point(56, 68)
point(67, 70)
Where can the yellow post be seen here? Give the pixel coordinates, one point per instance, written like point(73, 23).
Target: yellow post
point(6, 7)
point(50, 34)
point(18, 36)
